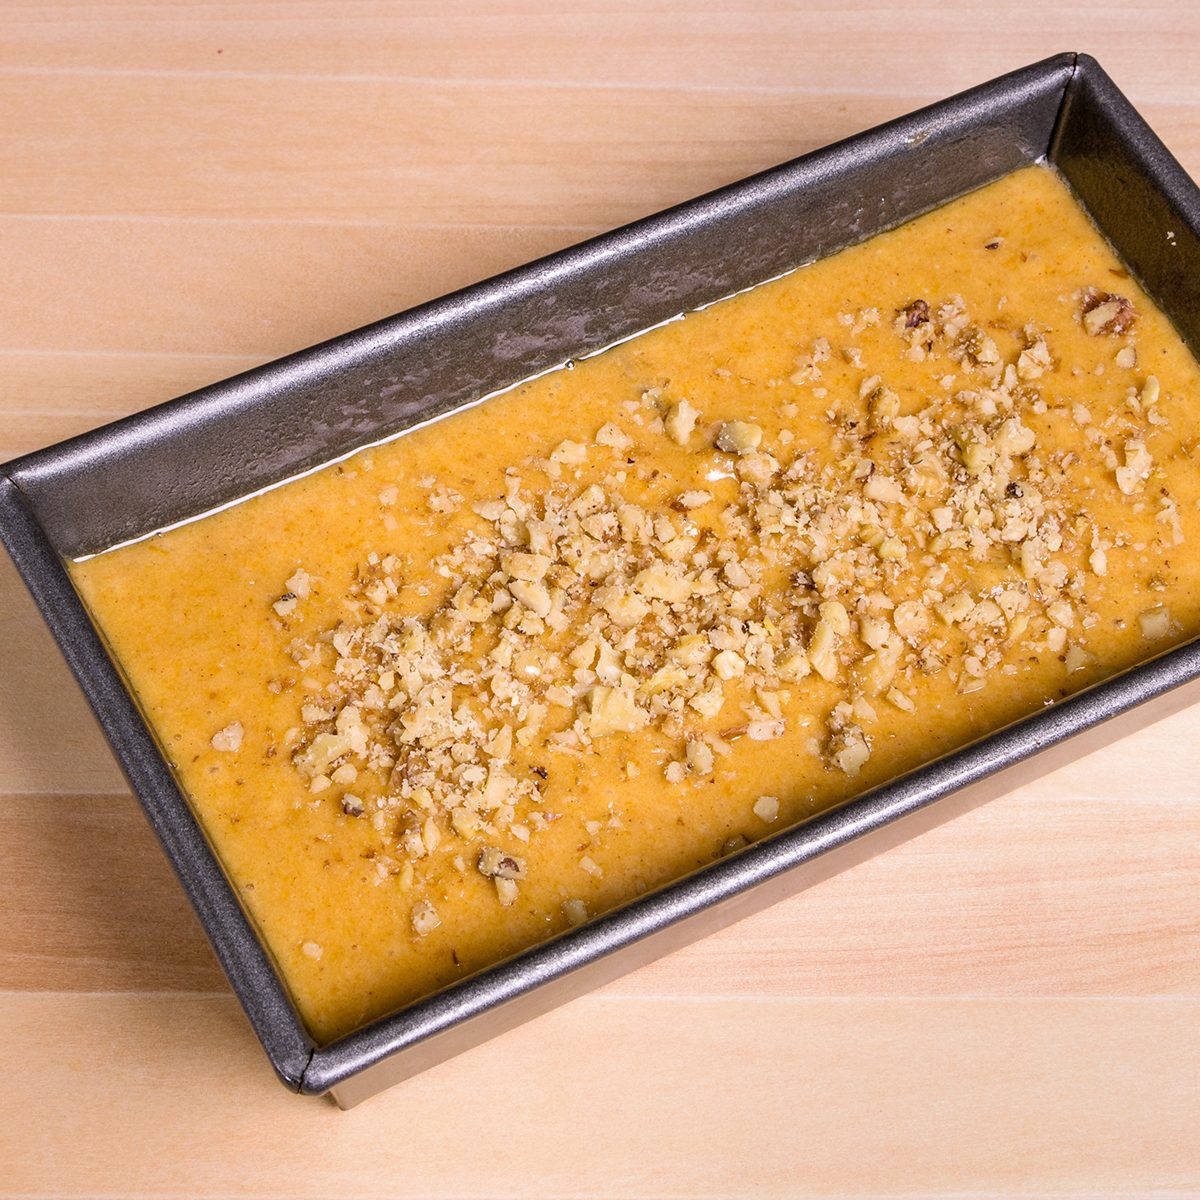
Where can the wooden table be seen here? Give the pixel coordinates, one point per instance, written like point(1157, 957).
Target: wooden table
point(1009, 1005)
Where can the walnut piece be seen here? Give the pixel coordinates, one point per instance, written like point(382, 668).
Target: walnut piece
point(1106, 314)
point(766, 808)
point(738, 437)
point(424, 918)
point(680, 421)
point(229, 739)
point(497, 863)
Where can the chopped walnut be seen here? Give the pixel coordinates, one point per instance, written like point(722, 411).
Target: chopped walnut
point(300, 584)
point(1105, 313)
point(822, 650)
point(738, 437)
point(534, 596)
point(766, 808)
point(680, 421)
point(700, 757)
point(425, 918)
point(601, 599)
point(1136, 469)
point(614, 710)
point(568, 453)
point(849, 749)
point(497, 863)
point(613, 436)
point(229, 739)
point(1155, 623)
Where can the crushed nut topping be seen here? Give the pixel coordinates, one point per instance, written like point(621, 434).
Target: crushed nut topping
point(593, 601)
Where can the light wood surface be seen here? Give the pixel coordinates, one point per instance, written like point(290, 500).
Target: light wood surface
point(1010, 1005)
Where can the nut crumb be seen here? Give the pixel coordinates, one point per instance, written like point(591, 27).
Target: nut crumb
point(738, 437)
point(1155, 623)
point(766, 808)
point(1106, 314)
point(680, 422)
point(229, 739)
point(425, 918)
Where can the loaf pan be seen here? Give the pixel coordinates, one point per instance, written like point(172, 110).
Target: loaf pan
point(225, 441)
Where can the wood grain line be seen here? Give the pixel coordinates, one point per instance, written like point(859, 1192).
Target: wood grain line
point(687, 1098)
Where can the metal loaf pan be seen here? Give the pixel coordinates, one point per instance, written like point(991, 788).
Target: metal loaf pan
point(222, 442)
